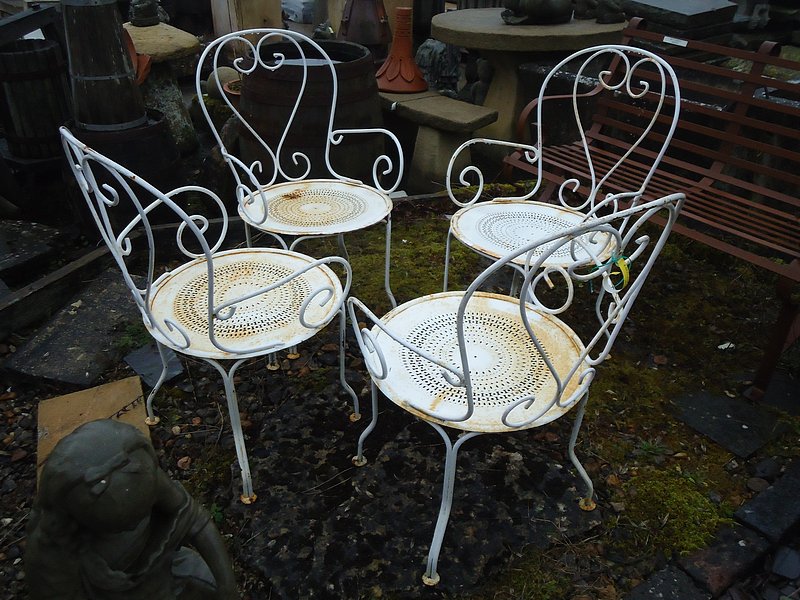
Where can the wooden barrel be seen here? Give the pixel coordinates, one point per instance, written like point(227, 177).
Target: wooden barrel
point(34, 98)
point(268, 97)
point(105, 96)
point(148, 150)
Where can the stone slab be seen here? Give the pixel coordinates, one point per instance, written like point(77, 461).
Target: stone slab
point(24, 244)
point(775, 512)
point(78, 343)
point(163, 42)
point(439, 112)
point(60, 416)
point(682, 14)
point(146, 361)
point(733, 423)
point(730, 557)
point(668, 584)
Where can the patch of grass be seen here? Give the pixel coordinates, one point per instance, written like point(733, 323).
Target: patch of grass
point(666, 512)
point(536, 576)
point(209, 472)
point(133, 335)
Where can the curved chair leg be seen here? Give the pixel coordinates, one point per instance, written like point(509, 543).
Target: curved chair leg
point(359, 460)
point(447, 258)
point(356, 415)
point(248, 496)
point(431, 577)
point(388, 261)
point(342, 248)
point(587, 502)
point(151, 418)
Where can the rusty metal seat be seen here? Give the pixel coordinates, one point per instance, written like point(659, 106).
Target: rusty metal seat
point(220, 306)
point(499, 226)
point(287, 142)
point(479, 362)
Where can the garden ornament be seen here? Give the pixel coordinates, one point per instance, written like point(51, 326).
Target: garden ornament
point(537, 12)
point(108, 523)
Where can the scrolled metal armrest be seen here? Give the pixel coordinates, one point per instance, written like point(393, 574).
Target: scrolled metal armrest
point(464, 177)
point(452, 375)
point(227, 309)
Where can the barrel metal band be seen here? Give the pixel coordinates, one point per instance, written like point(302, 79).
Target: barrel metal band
point(112, 126)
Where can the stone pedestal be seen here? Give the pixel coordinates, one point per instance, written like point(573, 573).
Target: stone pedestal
point(160, 90)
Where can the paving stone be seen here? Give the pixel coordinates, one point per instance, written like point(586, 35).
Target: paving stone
point(146, 361)
point(786, 563)
point(733, 423)
point(24, 244)
point(78, 343)
point(668, 584)
point(768, 469)
point(775, 511)
point(733, 553)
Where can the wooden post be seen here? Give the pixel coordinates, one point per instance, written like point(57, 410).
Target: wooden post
point(234, 15)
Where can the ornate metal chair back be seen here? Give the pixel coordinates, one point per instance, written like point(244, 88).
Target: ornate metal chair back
point(307, 109)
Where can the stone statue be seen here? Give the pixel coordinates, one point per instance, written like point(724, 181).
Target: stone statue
point(609, 11)
point(146, 13)
point(602, 11)
point(108, 523)
point(537, 12)
point(440, 64)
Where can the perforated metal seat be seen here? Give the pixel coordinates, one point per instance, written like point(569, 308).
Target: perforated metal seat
point(316, 207)
point(495, 229)
point(505, 365)
point(269, 320)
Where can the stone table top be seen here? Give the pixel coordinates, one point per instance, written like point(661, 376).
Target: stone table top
point(484, 29)
point(163, 42)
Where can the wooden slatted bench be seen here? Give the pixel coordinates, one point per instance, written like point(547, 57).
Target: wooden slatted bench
point(736, 155)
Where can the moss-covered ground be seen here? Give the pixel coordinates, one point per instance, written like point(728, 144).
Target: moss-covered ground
point(699, 324)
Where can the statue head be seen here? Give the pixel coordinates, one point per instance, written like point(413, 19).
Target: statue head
point(102, 476)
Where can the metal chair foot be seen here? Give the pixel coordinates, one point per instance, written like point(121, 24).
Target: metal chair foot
point(430, 581)
point(355, 417)
point(293, 355)
point(248, 499)
point(152, 421)
point(359, 461)
point(587, 504)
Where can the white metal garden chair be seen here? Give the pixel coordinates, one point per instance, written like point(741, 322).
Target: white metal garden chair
point(221, 306)
point(478, 362)
point(566, 190)
point(276, 189)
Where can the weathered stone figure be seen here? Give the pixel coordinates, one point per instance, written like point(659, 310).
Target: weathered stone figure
point(108, 523)
point(537, 12)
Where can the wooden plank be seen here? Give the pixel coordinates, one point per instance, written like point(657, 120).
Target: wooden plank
point(41, 298)
point(58, 417)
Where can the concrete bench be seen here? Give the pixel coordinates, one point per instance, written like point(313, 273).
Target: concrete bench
point(443, 124)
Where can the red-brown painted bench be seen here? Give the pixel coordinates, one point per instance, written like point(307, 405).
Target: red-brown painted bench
point(736, 155)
